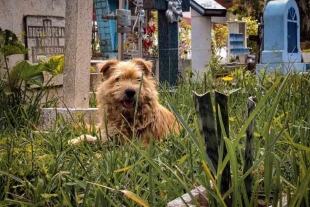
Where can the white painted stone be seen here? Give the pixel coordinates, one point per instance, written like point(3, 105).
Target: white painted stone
point(201, 41)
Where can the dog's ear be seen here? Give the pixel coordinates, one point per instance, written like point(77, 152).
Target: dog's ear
point(105, 68)
point(146, 65)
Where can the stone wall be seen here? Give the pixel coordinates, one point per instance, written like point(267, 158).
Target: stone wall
point(12, 13)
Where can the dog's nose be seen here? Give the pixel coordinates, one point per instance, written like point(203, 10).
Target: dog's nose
point(130, 93)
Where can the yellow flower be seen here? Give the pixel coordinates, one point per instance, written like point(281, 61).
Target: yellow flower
point(227, 78)
point(232, 119)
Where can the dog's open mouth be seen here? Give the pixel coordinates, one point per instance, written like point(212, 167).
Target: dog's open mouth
point(128, 104)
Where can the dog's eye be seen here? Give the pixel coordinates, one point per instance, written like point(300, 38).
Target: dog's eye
point(117, 79)
point(139, 79)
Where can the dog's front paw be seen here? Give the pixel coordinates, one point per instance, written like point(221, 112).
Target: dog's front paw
point(79, 139)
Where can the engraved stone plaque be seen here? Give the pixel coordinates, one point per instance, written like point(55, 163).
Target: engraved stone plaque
point(45, 36)
point(123, 17)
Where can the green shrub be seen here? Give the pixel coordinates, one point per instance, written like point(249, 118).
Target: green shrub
point(19, 104)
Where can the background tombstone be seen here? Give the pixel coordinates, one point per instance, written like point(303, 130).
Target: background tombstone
point(201, 13)
point(168, 40)
point(76, 78)
point(45, 36)
point(281, 38)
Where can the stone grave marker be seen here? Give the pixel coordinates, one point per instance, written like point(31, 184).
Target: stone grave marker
point(282, 38)
point(201, 13)
point(76, 77)
point(45, 36)
point(168, 36)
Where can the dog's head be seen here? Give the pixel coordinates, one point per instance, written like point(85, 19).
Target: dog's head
point(122, 81)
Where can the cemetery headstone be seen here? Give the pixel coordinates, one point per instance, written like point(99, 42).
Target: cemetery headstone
point(168, 35)
point(76, 77)
point(281, 38)
point(45, 36)
point(201, 13)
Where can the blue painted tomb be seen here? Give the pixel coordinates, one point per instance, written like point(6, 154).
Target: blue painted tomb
point(281, 47)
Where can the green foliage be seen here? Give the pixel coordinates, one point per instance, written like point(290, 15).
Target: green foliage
point(246, 8)
point(219, 36)
point(10, 45)
point(215, 66)
point(19, 107)
point(42, 169)
point(31, 74)
point(251, 29)
point(54, 65)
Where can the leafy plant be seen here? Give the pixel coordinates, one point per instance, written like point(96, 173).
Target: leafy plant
point(54, 65)
point(19, 106)
point(251, 29)
point(215, 66)
point(219, 36)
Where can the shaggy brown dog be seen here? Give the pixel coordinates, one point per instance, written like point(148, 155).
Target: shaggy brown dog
point(118, 96)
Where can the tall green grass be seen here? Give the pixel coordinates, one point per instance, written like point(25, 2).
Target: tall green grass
point(41, 169)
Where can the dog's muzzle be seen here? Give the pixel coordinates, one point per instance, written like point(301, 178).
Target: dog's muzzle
point(129, 100)
point(130, 93)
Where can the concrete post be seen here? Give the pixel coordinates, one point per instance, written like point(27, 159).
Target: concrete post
point(77, 53)
point(201, 41)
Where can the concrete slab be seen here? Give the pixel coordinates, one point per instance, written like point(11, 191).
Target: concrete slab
point(72, 115)
point(199, 194)
point(284, 68)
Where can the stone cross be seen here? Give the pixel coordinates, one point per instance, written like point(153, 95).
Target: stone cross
point(168, 40)
point(78, 34)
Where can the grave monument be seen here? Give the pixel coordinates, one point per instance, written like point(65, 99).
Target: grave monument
point(282, 38)
point(201, 13)
point(45, 36)
point(169, 13)
point(76, 77)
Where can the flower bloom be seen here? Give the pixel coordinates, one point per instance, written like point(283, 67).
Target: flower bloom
point(227, 78)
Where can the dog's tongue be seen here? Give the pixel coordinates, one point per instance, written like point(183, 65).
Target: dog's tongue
point(128, 104)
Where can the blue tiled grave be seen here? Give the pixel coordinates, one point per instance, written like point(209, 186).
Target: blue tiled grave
point(282, 38)
point(106, 28)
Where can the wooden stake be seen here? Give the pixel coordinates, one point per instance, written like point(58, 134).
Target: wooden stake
point(248, 156)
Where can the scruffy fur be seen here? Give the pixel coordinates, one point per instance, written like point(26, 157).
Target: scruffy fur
point(117, 98)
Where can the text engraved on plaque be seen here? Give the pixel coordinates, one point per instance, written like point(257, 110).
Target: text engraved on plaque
point(45, 36)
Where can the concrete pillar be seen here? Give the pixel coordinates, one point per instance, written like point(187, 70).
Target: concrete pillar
point(77, 53)
point(201, 41)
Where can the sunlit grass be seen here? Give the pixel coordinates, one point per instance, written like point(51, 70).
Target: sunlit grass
point(41, 169)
